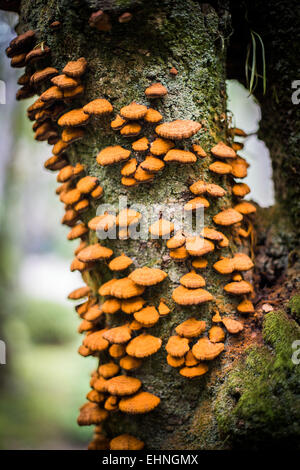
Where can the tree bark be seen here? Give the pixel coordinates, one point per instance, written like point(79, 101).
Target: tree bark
point(204, 413)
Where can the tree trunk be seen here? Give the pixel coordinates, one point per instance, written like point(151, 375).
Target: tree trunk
point(212, 411)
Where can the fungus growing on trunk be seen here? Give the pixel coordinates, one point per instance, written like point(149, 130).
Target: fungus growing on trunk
point(121, 346)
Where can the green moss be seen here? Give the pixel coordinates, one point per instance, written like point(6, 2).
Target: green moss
point(294, 306)
point(258, 404)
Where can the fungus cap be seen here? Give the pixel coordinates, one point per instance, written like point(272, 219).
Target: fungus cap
point(161, 228)
point(111, 306)
point(180, 156)
point(222, 150)
point(163, 309)
point(51, 94)
point(131, 129)
point(85, 325)
point(140, 145)
point(117, 351)
point(135, 325)
point(79, 293)
point(241, 189)
point(152, 164)
point(246, 306)
point(63, 82)
point(98, 107)
point(94, 252)
point(224, 266)
point(227, 217)
point(126, 288)
point(126, 441)
point(70, 134)
point(102, 222)
point(220, 168)
point(141, 403)
point(199, 151)
point(118, 335)
point(73, 92)
point(112, 154)
point(130, 363)
point(95, 397)
point(129, 168)
point(108, 370)
point(216, 334)
point(238, 288)
point(156, 90)
point(198, 246)
point(147, 317)
point(120, 263)
point(133, 111)
point(127, 217)
point(84, 351)
point(152, 116)
point(132, 305)
point(105, 289)
point(117, 123)
point(183, 296)
point(161, 146)
point(196, 371)
point(215, 190)
point(111, 403)
point(179, 129)
point(190, 328)
point(75, 68)
point(90, 413)
point(199, 187)
point(232, 326)
point(196, 203)
point(125, 17)
point(205, 350)
point(176, 241)
point(93, 313)
point(242, 262)
point(87, 184)
point(143, 346)
point(77, 231)
point(245, 208)
point(60, 147)
point(177, 346)
point(100, 384)
point(36, 54)
point(97, 192)
point(75, 117)
point(179, 254)
point(190, 359)
point(42, 75)
point(239, 168)
point(199, 263)
point(95, 341)
point(192, 280)
point(147, 276)
point(122, 385)
point(143, 176)
point(211, 234)
point(175, 361)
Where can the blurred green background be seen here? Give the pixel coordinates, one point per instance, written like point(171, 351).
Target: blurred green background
point(44, 380)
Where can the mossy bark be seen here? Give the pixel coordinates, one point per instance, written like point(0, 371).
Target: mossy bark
point(121, 64)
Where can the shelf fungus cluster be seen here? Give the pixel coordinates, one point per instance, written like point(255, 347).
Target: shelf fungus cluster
point(117, 314)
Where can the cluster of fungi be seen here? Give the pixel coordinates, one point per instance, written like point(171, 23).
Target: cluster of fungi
point(122, 349)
